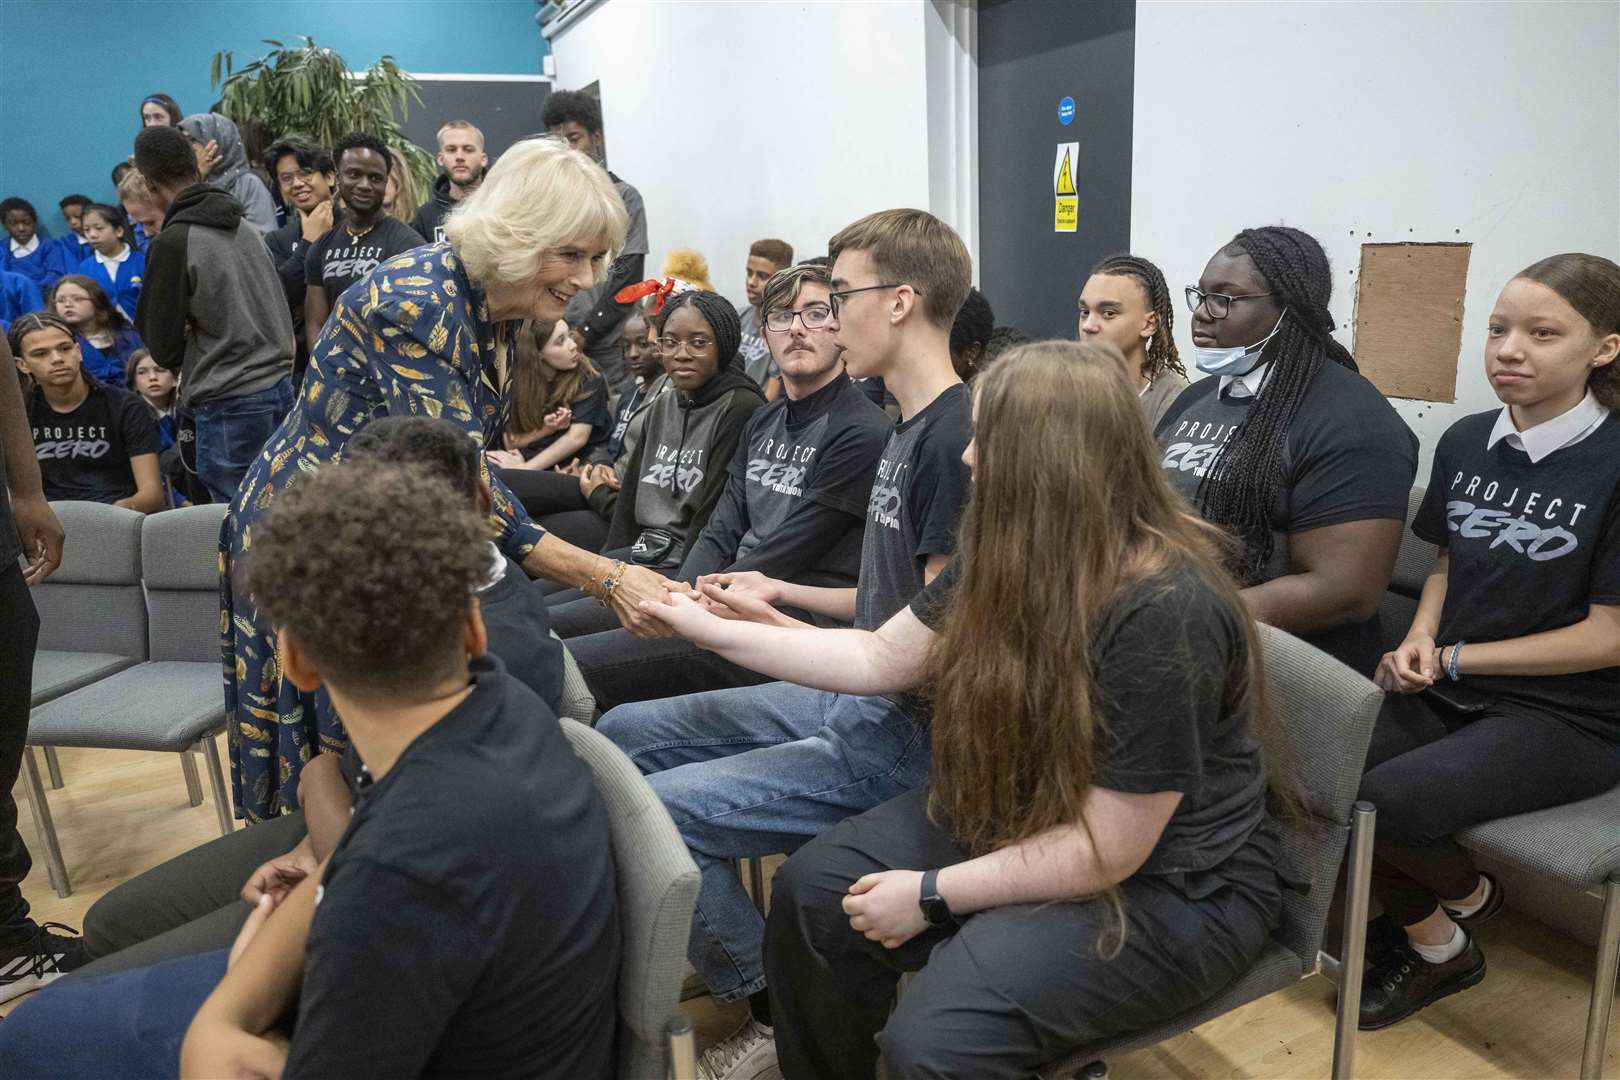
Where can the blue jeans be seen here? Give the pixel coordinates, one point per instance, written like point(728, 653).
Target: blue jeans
point(232, 431)
point(755, 771)
point(128, 1025)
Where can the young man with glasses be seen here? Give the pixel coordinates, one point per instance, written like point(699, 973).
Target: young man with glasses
point(794, 505)
point(759, 770)
point(306, 177)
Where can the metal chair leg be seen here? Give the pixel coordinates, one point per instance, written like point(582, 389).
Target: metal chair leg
point(1353, 955)
point(1608, 957)
point(54, 866)
point(188, 766)
point(53, 767)
point(682, 1049)
point(216, 781)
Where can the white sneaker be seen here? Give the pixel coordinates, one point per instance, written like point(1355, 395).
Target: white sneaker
point(749, 1054)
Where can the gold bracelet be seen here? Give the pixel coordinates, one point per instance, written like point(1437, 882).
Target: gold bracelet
point(611, 582)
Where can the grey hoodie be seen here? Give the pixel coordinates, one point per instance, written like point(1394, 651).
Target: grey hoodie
point(233, 174)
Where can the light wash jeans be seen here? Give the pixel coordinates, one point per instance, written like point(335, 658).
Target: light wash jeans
point(759, 770)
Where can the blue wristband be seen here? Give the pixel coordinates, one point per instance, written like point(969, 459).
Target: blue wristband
point(1451, 664)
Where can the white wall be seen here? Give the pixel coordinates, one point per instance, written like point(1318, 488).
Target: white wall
point(1492, 123)
point(743, 120)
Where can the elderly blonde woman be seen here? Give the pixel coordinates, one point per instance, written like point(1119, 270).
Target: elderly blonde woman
point(427, 335)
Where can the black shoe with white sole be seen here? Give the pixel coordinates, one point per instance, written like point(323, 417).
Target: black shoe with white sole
point(1406, 982)
point(39, 960)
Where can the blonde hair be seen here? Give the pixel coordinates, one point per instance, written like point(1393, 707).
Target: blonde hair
point(685, 264)
point(464, 125)
point(540, 196)
point(134, 188)
point(406, 199)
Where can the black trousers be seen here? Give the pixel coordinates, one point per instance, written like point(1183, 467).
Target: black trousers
point(621, 668)
point(1013, 989)
point(190, 904)
point(1432, 773)
point(19, 637)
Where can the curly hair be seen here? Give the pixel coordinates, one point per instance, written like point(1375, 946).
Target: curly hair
point(380, 608)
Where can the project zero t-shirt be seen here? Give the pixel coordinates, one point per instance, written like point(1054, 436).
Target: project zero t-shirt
point(338, 259)
point(1532, 546)
point(1348, 456)
point(84, 454)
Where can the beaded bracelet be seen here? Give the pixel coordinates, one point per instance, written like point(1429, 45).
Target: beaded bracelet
point(611, 582)
point(1451, 661)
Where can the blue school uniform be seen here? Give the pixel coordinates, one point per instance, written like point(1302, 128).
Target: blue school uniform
point(42, 266)
point(109, 365)
point(126, 290)
point(18, 296)
point(75, 249)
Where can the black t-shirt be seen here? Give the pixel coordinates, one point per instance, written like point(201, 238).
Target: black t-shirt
point(590, 406)
point(795, 498)
point(338, 260)
point(1168, 658)
point(1348, 457)
point(467, 925)
point(84, 454)
point(519, 628)
point(1532, 547)
point(914, 506)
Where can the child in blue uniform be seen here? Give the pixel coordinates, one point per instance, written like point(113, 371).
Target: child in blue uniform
point(36, 257)
point(18, 295)
point(75, 248)
point(113, 263)
point(106, 339)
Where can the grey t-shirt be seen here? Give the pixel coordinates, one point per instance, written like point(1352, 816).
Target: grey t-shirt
point(755, 355)
point(916, 502)
point(588, 300)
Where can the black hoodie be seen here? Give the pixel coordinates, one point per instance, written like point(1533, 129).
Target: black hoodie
point(679, 468)
point(429, 219)
point(212, 306)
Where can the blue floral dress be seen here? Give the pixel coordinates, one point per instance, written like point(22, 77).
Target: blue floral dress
point(413, 338)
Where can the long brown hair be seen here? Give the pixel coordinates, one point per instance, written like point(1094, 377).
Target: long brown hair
point(1591, 285)
point(1069, 508)
point(538, 388)
point(107, 317)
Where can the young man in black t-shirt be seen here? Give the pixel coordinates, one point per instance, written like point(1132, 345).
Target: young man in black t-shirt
point(793, 508)
point(752, 771)
point(364, 236)
point(455, 948)
point(95, 443)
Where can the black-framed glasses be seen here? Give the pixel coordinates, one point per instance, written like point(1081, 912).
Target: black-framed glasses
point(836, 300)
point(813, 316)
point(1219, 305)
point(671, 346)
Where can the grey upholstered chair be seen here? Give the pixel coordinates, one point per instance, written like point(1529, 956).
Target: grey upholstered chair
point(173, 702)
point(1329, 712)
point(578, 703)
point(658, 887)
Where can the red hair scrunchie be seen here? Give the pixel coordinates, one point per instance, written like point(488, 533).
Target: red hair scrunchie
point(651, 287)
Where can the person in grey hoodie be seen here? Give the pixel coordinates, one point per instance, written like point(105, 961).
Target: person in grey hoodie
point(212, 309)
point(231, 171)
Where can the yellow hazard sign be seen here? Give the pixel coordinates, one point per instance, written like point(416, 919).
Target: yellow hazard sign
point(1066, 214)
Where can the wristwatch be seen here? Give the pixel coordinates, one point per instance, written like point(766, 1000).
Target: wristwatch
point(935, 911)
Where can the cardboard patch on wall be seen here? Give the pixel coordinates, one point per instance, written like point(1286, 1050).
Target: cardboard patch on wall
point(1409, 308)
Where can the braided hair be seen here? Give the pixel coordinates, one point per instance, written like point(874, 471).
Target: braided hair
point(1242, 484)
point(1161, 350)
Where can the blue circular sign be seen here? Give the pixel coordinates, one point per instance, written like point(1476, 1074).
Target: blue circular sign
point(1066, 111)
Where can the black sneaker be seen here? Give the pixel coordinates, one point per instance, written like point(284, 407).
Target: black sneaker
point(1406, 983)
point(39, 960)
point(1493, 904)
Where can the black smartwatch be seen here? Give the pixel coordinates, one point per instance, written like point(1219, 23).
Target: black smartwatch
point(936, 912)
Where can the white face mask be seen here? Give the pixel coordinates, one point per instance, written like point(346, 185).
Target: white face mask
point(1238, 360)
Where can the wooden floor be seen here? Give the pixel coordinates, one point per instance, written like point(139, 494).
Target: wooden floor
point(122, 812)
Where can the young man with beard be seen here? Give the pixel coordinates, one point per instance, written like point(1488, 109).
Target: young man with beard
point(462, 157)
point(306, 176)
point(760, 770)
point(364, 236)
point(576, 118)
point(794, 505)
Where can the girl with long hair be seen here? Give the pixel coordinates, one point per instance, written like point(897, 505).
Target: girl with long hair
point(1505, 694)
point(1289, 448)
point(559, 402)
point(106, 338)
point(1098, 810)
point(95, 443)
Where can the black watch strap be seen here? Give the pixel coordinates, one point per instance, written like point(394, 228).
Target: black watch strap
point(935, 911)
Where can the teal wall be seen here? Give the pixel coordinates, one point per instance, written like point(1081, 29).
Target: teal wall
point(73, 72)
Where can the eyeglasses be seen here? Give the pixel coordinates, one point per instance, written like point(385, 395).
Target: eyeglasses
point(813, 316)
point(1219, 305)
point(301, 174)
point(670, 346)
point(836, 300)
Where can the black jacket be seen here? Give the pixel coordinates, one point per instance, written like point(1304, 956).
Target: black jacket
point(429, 219)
